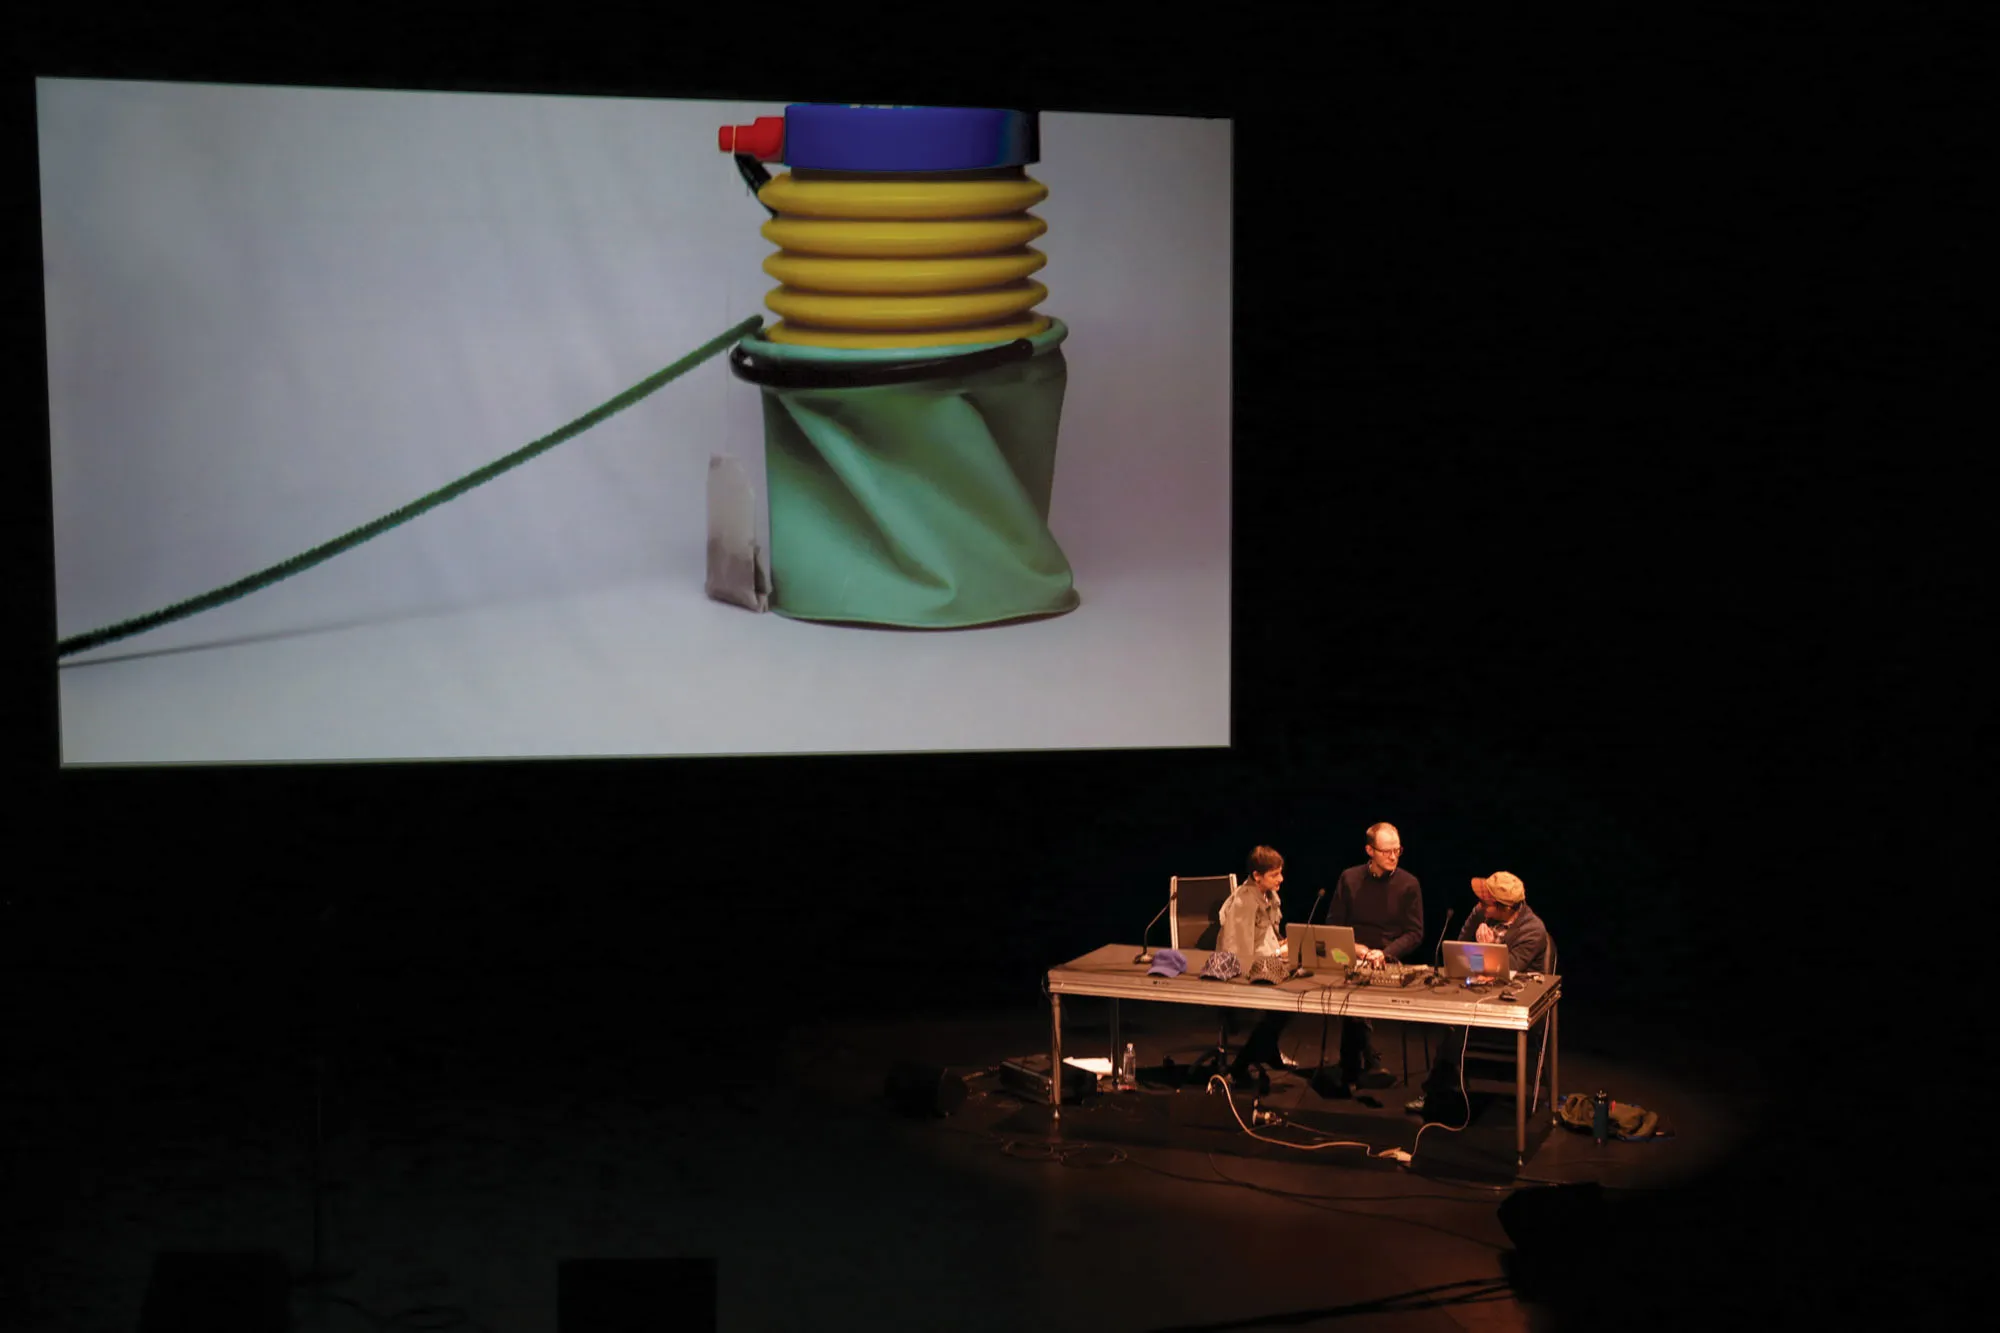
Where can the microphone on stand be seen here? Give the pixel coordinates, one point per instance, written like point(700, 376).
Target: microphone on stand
point(1146, 954)
point(1299, 968)
point(1437, 957)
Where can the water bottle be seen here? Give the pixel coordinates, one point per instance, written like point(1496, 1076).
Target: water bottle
point(1600, 1114)
point(1128, 1068)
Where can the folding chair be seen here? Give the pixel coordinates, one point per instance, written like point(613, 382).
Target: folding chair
point(1195, 922)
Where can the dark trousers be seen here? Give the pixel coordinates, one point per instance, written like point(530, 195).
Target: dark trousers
point(1261, 1046)
point(1357, 1043)
point(1444, 1077)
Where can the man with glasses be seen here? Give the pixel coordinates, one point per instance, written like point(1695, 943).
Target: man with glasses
point(1384, 905)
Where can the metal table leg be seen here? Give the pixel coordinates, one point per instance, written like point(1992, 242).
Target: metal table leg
point(1520, 1097)
point(1117, 1050)
point(1555, 1061)
point(1055, 1056)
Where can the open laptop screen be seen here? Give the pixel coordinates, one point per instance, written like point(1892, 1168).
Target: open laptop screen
point(1317, 947)
point(1464, 959)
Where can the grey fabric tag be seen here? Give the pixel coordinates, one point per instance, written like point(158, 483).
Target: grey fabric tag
point(737, 571)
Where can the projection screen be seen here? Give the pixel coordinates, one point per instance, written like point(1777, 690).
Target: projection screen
point(275, 315)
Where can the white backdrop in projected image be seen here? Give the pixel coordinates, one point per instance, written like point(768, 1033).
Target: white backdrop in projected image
point(277, 314)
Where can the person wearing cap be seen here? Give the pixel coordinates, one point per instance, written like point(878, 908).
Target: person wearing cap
point(1502, 917)
point(1384, 905)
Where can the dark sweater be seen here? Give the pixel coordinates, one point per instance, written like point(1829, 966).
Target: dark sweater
point(1386, 913)
point(1526, 938)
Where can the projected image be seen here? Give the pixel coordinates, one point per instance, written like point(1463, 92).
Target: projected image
point(425, 426)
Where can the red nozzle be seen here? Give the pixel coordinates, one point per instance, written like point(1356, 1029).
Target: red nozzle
point(764, 140)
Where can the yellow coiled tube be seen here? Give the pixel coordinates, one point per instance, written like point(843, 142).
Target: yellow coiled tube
point(904, 260)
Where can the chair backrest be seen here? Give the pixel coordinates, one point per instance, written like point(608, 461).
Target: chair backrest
point(1196, 918)
point(1485, 1038)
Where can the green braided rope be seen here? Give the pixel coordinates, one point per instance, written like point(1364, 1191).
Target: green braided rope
point(245, 586)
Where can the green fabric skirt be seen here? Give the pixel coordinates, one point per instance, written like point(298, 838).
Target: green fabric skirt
point(919, 505)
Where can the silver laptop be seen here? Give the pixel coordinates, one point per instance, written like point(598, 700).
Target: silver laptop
point(1463, 958)
point(1315, 947)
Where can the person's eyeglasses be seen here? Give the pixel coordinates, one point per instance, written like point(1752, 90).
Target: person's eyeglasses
point(1388, 851)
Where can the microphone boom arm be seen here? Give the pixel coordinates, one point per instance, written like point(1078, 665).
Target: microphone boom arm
point(1299, 968)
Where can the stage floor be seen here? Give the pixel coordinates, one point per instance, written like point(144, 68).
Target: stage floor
point(477, 1134)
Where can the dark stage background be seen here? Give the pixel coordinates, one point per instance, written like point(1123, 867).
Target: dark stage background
point(1542, 553)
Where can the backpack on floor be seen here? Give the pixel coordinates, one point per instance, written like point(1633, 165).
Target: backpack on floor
point(1628, 1121)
